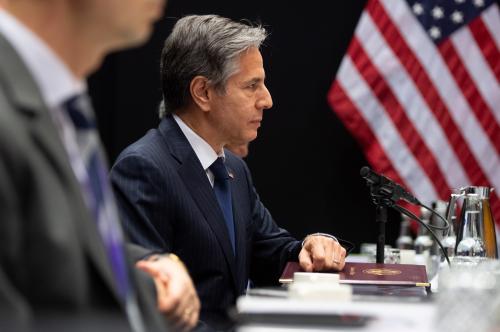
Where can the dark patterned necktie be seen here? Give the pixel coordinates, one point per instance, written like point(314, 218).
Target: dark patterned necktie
point(222, 191)
point(100, 201)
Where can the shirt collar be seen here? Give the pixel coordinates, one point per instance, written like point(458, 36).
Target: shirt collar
point(201, 148)
point(53, 77)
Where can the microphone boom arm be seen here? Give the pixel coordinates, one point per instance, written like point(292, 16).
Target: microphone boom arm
point(385, 193)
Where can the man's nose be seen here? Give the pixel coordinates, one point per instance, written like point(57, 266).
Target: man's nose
point(265, 101)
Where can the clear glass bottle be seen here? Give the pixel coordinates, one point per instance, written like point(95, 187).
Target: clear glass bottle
point(423, 242)
point(476, 227)
point(404, 240)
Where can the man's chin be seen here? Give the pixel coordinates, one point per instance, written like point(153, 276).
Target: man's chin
point(138, 38)
point(250, 137)
point(132, 38)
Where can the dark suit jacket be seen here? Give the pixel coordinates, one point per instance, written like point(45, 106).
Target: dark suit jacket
point(53, 264)
point(168, 204)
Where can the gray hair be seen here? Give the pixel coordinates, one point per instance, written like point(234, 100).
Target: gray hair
point(205, 45)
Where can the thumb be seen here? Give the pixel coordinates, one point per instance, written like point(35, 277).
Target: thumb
point(148, 267)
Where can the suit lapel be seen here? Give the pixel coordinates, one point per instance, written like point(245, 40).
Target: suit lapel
point(25, 94)
point(241, 237)
point(195, 178)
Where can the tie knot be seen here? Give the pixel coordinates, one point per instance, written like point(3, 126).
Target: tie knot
point(219, 169)
point(80, 112)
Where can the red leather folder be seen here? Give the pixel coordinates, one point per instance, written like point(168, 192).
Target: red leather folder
point(370, 274)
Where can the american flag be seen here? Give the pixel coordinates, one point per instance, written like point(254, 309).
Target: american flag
point(419, 89)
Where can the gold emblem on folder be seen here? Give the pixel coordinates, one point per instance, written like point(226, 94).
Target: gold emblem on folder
point(382, 272)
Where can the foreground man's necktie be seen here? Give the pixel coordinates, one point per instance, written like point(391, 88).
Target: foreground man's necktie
point(100, 200)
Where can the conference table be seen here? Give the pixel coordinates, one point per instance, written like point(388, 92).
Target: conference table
point(394, 309)
point(357, 315)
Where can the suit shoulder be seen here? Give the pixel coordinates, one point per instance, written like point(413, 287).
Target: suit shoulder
point(14, 134)
point(150, 154)
point(147, 147)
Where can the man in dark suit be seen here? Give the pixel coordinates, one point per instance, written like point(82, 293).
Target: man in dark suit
point(180, 191)
point(63, 261)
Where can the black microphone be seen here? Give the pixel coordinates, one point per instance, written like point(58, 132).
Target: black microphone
point(386, 186)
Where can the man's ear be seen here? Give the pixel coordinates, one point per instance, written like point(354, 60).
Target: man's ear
point(200, 92)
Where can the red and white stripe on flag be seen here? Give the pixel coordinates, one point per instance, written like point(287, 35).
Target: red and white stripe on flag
point(419, 88)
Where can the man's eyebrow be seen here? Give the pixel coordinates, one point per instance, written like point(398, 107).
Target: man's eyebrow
point(255, 80)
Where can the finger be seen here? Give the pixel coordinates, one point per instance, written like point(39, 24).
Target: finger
point(161, 291)
point(342, 258)
point(175, 322)
point(177, 297)
point(178, 322)
point(196, 314)
point(175, 318)
point(168, 300)
point(147, 267)
point(337, 256)
point(192, 322)
point(305, 260)
point(197, 306)
point(152, 269)
point(318, 255)
point(174, 304)
point(164, 302)
point(167, 303)
point(191, 319)
point(330, 260)
point(183, 290)
point(339, 265)
point(183, 314)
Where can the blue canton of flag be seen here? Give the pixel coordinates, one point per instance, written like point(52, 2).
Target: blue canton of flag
point(440, 18)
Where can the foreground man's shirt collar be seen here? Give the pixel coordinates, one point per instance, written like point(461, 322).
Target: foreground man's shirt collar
point(53, 77)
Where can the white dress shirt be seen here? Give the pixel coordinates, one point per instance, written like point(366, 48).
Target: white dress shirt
point(202, 149)
point(52, 75)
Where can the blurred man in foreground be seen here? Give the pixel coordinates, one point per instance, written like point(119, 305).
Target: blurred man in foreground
point(181, 191)
point(63, 260)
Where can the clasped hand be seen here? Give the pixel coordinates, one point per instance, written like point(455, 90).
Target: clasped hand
point(321, 253)
point(176, 294)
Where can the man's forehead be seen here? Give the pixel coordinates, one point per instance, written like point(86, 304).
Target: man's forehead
point(250, 64)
